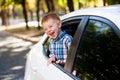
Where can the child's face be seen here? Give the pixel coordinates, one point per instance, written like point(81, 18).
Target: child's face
point(52, 28)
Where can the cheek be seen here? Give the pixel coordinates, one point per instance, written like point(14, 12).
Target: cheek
point(46, 32)
point(55, 29)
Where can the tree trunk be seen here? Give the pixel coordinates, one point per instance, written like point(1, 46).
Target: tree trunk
point(37, 12)
point(80, 5)
point(104, 2)
point(4, 16)
point(70, 5)
point(13, 12)
point(50, 5)
point(25, 14)
point(31, 14)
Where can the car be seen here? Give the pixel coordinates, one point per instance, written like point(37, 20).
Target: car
point(94, 52)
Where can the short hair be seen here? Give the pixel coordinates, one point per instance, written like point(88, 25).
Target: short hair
point(48, 16)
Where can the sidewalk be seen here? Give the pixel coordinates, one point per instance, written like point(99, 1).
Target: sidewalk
point(24, 37)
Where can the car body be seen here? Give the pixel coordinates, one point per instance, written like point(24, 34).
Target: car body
point(94, 53)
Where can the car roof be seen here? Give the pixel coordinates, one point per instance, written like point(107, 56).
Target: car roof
point(111, 13)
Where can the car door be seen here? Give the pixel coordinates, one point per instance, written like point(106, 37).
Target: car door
point(70, 25)
point(98, 51)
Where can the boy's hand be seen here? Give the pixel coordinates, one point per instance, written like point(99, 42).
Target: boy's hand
point(51, 60)
point(60, 62)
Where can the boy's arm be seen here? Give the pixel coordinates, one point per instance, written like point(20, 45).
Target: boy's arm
point(68, 42)
point(51, 60)
point(60, 62)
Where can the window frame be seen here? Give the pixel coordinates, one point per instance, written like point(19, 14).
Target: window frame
point(98, 18)
point(109, 22)
point(74, 45)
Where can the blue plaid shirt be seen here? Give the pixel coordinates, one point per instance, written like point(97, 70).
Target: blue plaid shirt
point(59, 47)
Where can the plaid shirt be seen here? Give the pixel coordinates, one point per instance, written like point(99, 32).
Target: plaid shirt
point(59, 47)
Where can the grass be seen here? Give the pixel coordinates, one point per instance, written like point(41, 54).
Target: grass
point(32, 32)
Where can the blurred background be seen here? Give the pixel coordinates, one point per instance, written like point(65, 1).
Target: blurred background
point(14, 11)
point(20, 28)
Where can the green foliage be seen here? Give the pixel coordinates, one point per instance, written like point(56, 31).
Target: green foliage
point(84, 1)
point(110, 2)
point(5, 3)
point(62, 3)
point(17, 1)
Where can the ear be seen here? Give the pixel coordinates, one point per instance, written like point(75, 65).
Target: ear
point(59, 24)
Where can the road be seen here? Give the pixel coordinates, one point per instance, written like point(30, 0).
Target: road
point(13, 21)
point(12, 57)
point(20, 22)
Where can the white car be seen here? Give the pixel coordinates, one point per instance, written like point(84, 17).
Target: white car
point(94, 53)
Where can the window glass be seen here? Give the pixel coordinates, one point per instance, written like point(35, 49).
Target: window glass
point(98, 54)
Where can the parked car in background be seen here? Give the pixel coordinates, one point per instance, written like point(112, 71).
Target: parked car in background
point(94, 53)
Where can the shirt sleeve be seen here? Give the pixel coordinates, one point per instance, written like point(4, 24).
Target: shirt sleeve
point(69, 41)
point(51, 54)
point(50, 47)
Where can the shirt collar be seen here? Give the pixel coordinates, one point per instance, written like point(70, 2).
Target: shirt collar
point(62, 33)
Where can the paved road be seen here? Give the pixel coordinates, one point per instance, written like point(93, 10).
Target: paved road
point(13, 21)
point(12, 57)
point(19, 23)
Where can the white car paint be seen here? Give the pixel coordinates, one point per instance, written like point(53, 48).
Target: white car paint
point(36, 66)
point(111, 13)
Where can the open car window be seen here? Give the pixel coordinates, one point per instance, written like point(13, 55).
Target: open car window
point(70, 26)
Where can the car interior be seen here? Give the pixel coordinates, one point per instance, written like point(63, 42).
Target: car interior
point(70, 27)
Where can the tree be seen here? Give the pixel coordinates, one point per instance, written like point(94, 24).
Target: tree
point(104, 2)
point(4, 16)
point(23, 4)
point(4, 11)
point(37, 12)
point(110, 2)
point(50, 5)
point(70, 5)
point(25, 13)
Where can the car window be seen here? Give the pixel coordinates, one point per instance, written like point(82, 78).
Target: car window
point(98, 54)
point(70, 26)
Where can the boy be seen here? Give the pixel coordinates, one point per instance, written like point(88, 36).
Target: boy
point(60, 41)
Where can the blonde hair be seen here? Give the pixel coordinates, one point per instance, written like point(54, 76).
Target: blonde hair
point(48, 16)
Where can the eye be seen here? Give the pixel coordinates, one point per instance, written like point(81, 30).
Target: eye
point(50, 26)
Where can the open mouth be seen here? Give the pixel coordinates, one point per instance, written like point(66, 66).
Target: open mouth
point(51, 33)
